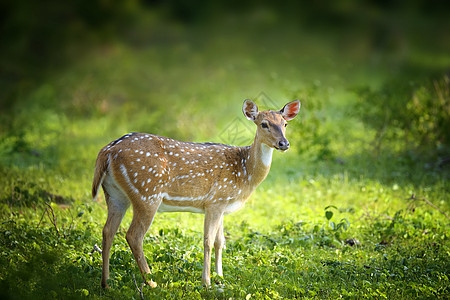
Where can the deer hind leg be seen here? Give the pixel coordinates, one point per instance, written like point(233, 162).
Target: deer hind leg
point(116, 211)
point(142, 219)
point(218, 245)
point(212, 224)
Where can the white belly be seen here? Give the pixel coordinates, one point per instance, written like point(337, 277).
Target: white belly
point(233, 207)
point(172, 208)
point(183, 207)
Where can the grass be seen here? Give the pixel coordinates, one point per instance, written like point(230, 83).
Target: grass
point(334, 218)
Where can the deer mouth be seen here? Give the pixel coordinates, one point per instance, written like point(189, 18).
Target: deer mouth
point(284, 149)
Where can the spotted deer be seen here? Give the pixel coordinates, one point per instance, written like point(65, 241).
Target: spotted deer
point(159, 174)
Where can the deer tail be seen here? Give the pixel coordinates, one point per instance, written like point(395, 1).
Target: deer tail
point(101, 166)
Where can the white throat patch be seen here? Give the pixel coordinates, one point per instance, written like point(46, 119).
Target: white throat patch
point(266, 154)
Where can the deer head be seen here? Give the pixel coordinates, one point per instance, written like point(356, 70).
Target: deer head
point(271, 124)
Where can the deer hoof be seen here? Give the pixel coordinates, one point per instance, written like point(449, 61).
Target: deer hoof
point(151, 283)
point(206, 284)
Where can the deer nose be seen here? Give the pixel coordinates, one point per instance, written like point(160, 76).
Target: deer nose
point(283, 144)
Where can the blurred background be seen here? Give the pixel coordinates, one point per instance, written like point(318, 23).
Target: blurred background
point(370, 146)
point(372, 77)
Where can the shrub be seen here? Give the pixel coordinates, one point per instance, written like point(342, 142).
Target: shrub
point(415, 113)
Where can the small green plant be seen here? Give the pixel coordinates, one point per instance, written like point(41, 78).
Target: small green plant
point(339, 227)
point(330, 233)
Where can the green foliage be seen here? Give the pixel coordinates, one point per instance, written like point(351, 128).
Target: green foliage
point(313, 138)
point(295, 260)
point(417, 113)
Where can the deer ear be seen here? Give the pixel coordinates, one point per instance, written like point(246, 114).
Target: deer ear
point(250, 110)
point(290, 110)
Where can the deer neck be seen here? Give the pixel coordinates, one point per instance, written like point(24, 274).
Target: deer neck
point(259, 161)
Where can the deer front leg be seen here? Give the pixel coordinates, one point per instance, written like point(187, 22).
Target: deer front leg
point(212, 222)
point(218, 245)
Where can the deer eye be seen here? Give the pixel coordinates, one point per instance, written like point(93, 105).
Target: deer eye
point(264, 125)
point(285, 124)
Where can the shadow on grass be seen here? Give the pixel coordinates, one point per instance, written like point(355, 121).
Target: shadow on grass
point(42, 267)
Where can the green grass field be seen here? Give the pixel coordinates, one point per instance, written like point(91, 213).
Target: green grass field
point(357, 208)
